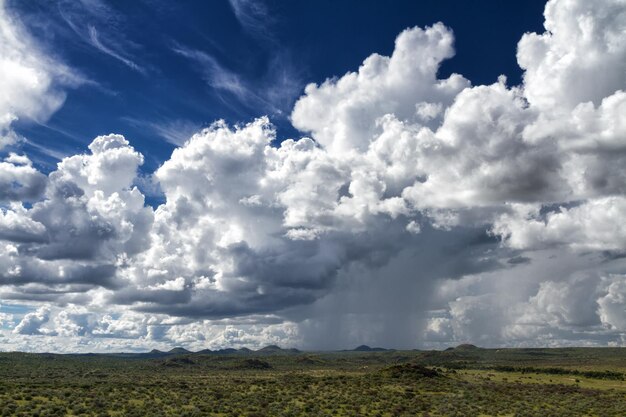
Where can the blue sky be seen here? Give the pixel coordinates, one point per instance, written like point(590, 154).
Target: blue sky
point(158, 71)
point(311, 174)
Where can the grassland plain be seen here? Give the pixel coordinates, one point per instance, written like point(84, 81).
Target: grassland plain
point(464, 381)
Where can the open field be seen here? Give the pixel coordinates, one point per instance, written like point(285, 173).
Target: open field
point(465, 381)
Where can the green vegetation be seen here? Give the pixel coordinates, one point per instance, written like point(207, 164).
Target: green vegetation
point(465, 381)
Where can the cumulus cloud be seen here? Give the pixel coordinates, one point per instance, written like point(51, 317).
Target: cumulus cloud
point(612, 304)
point(19, 181)
point(420, 210)
point(342, 114)
point(588, 226)
point(222, 210)
point(582, 41)
point(88, 223)
point(16, 226)
point(32, 322)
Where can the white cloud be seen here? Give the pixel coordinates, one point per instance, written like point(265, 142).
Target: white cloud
point(31, 82)
point(612, 305)
point(555, 300)
point(32, 322)
point(342, 114)
point(16, 226)
point(94, 39)
point(588, 226)
point(479, 156)
point(564, 304)
point(583, 41)
point(19, 180)
point(89, 223)
point(413, 227)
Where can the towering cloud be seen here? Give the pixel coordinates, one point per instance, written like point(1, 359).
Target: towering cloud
point(79, 236)
point(419, 211)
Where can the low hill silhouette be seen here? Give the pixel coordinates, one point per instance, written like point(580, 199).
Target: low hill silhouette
point(365, 348)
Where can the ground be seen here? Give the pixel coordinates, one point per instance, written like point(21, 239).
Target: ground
point(465, 381)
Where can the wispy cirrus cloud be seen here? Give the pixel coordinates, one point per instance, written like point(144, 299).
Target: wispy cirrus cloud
point(176, 131)
point(272, 94)
point(84, 18)
point(94, 39)
point(254, 17)
point(215, 74)
point(277, 81)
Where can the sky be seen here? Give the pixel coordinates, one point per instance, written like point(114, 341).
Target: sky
point(320, 175)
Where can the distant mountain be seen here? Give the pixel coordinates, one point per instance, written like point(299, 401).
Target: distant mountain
point(466, 346)
point(365, 348)
point(267, 350)
point(179, 351)
point(227, 351)
point(270, 348)
point(273, 349)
